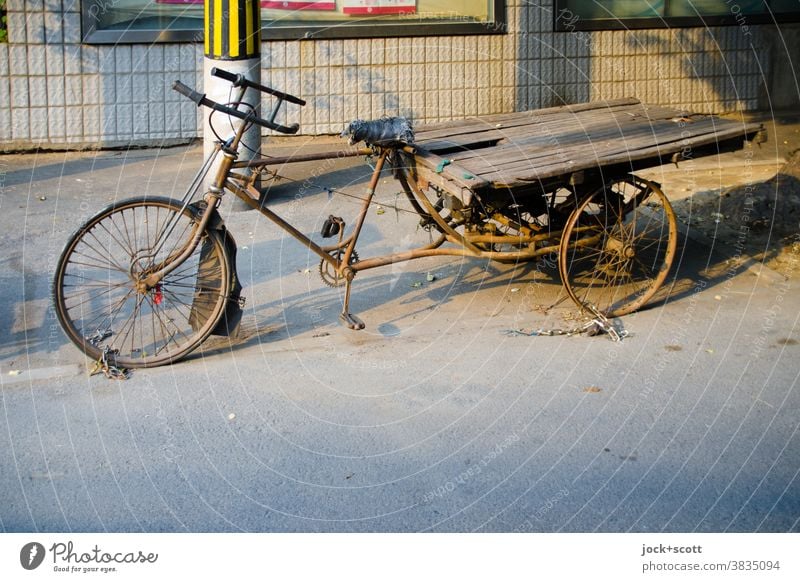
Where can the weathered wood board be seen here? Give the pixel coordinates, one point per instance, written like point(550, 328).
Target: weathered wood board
point(516, 149)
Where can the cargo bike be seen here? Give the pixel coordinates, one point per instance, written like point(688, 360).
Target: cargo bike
point(147, 280)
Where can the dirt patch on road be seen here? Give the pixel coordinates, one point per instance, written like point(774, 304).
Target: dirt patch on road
point(760, 220)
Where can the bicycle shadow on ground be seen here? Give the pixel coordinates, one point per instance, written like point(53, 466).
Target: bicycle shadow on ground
point(525, 295)
point(530, 293)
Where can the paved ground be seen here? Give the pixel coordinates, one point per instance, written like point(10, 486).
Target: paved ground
point(431, 419)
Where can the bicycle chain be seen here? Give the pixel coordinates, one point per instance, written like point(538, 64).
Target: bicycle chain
point(598, 325)
point(105, 363)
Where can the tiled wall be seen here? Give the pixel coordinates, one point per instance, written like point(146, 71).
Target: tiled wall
point(55, 91)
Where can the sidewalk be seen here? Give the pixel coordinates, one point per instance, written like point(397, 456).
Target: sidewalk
point(744, 204)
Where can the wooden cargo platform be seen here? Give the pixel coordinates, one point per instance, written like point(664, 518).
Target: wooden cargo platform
point(551, 145)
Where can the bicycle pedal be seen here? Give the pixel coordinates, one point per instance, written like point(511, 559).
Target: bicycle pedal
point(332, 226)
point(352, 321)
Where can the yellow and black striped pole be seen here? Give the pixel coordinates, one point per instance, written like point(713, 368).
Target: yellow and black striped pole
point(233, 29)
point(232, 43)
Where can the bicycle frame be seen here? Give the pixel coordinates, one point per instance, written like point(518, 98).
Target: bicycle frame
point(239, 178)
point(230, 176)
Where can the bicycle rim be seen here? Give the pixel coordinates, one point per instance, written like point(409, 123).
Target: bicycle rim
point(99, 304)
point(618, 246)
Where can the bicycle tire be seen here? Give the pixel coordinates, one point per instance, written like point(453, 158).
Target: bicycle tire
point(618, 246)
point(101, 308)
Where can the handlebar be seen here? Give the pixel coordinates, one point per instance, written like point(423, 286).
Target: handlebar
point(204, 101)
point(241, 81)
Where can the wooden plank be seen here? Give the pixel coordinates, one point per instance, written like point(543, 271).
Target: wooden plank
point(585, 158)
point(477, 124)
point(557, 141)
point(466, 129)
point(587, 144)
point(451, 171)
point(521, 152)
point(599, 150)
point(495, 137)
point(509, 141)
point(660, 153)
point(588, 159)
point(501, 117)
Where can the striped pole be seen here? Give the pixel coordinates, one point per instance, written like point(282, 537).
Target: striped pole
point(232, 43)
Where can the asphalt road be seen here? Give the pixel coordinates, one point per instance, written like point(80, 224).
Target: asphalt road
point(431, 419)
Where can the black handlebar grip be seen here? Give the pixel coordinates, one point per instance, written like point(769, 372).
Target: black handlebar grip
point(186, 91)
point(292, 129)
point(223, 74)
point(242, 81)
point(201, 99)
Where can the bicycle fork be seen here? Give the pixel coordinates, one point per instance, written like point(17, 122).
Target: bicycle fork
point(211, 198)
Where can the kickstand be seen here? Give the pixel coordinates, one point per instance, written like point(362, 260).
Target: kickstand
point(348, 318)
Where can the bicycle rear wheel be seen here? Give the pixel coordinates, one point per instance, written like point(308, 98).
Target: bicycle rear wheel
point(101, 303)
point(618, 246)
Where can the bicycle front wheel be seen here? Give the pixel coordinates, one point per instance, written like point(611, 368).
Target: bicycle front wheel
point(102, 304)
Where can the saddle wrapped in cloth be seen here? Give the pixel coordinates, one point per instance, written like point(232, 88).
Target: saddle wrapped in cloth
point(385, 132)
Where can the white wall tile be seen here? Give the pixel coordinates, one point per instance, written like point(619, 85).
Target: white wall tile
point(73, 90)
point(54, 59)
point(91, 123)
point(74, 116)
point(37, 91)
point(36, 60)
point(38, 124)
point(5, 124)
point(55, 90)
point(53, 25)
point(35, 29)
point(56, 123)
point(20, 124)
point(17, 27)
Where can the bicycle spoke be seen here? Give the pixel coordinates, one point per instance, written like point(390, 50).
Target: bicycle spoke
point(114, 238)
point(95, 285)
point(131, 319)
point(96, 257)
point(164, 331)
point(105, 291)
point(105, 255)
point(102, 308)
point(127, 233)
point(97, 293)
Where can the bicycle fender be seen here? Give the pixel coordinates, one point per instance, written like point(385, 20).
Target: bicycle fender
point(229, 322)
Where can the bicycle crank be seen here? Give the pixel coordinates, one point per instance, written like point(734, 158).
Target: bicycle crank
point(328, 273)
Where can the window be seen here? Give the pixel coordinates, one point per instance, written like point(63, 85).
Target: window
point(616, 14)
point(114, 21)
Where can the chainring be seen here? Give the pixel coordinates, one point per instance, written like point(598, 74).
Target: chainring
point(328, 275)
